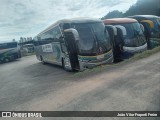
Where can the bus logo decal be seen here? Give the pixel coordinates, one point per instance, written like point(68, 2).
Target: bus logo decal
point(47, 48)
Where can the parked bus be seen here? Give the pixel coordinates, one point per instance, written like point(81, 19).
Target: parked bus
point(75, 44)
point(151, 24)
point(155, 29)
point(9, 51)
point(29, 48)
point(129, 38)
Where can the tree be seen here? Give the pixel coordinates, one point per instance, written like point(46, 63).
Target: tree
point(113, 14)
point(13, 40)
point(142, 7)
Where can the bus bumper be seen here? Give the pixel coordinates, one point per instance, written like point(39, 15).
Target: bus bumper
point(130, 51)
point(135, 49)
point(87, 64)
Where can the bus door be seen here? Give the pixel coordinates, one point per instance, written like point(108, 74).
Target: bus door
point(70, 36)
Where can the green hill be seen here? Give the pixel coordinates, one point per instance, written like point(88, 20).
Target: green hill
point(142, 7)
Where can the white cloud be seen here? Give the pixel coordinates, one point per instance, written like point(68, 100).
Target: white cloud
point(28, 17)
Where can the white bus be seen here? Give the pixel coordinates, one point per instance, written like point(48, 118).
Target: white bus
point(9, 51)
point(75, 44)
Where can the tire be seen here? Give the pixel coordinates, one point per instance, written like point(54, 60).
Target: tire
point(42, 60)
point(6, 60)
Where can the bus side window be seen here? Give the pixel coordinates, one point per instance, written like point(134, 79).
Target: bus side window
point(48, 37)
point(56, 34)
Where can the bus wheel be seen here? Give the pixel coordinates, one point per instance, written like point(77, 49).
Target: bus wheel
point(42, 60)
point(6, 60)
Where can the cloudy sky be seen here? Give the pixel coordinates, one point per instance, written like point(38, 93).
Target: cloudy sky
point(27, 18)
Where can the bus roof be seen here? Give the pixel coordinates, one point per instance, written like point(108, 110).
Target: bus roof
point(119, 20)
point(142, 17)
point(73, 20)
point(3, 42)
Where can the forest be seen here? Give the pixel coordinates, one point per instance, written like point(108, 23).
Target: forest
point(142, 7)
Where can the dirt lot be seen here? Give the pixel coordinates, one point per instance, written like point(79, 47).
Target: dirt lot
point(27, 84)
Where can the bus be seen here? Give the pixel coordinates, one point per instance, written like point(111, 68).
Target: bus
point(129, 38)
point(155, 31)
point(74, 44)
point(9, 51)
point(29, 48)
point(151, 24)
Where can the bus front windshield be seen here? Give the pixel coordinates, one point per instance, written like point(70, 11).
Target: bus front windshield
point(157, 24)
point(93, 38)
point(8, 45)
point(135, 36)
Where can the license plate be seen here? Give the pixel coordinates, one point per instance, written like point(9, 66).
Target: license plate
point(100, 56)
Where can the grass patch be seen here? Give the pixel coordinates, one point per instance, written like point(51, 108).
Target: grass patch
point(145, 54)
point(88, 71)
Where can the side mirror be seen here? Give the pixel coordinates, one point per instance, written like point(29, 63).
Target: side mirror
point(142, 27)
point(123, 29)
point(72, 33)
point(112, 31)
point(72, 40)
point(111, 28)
